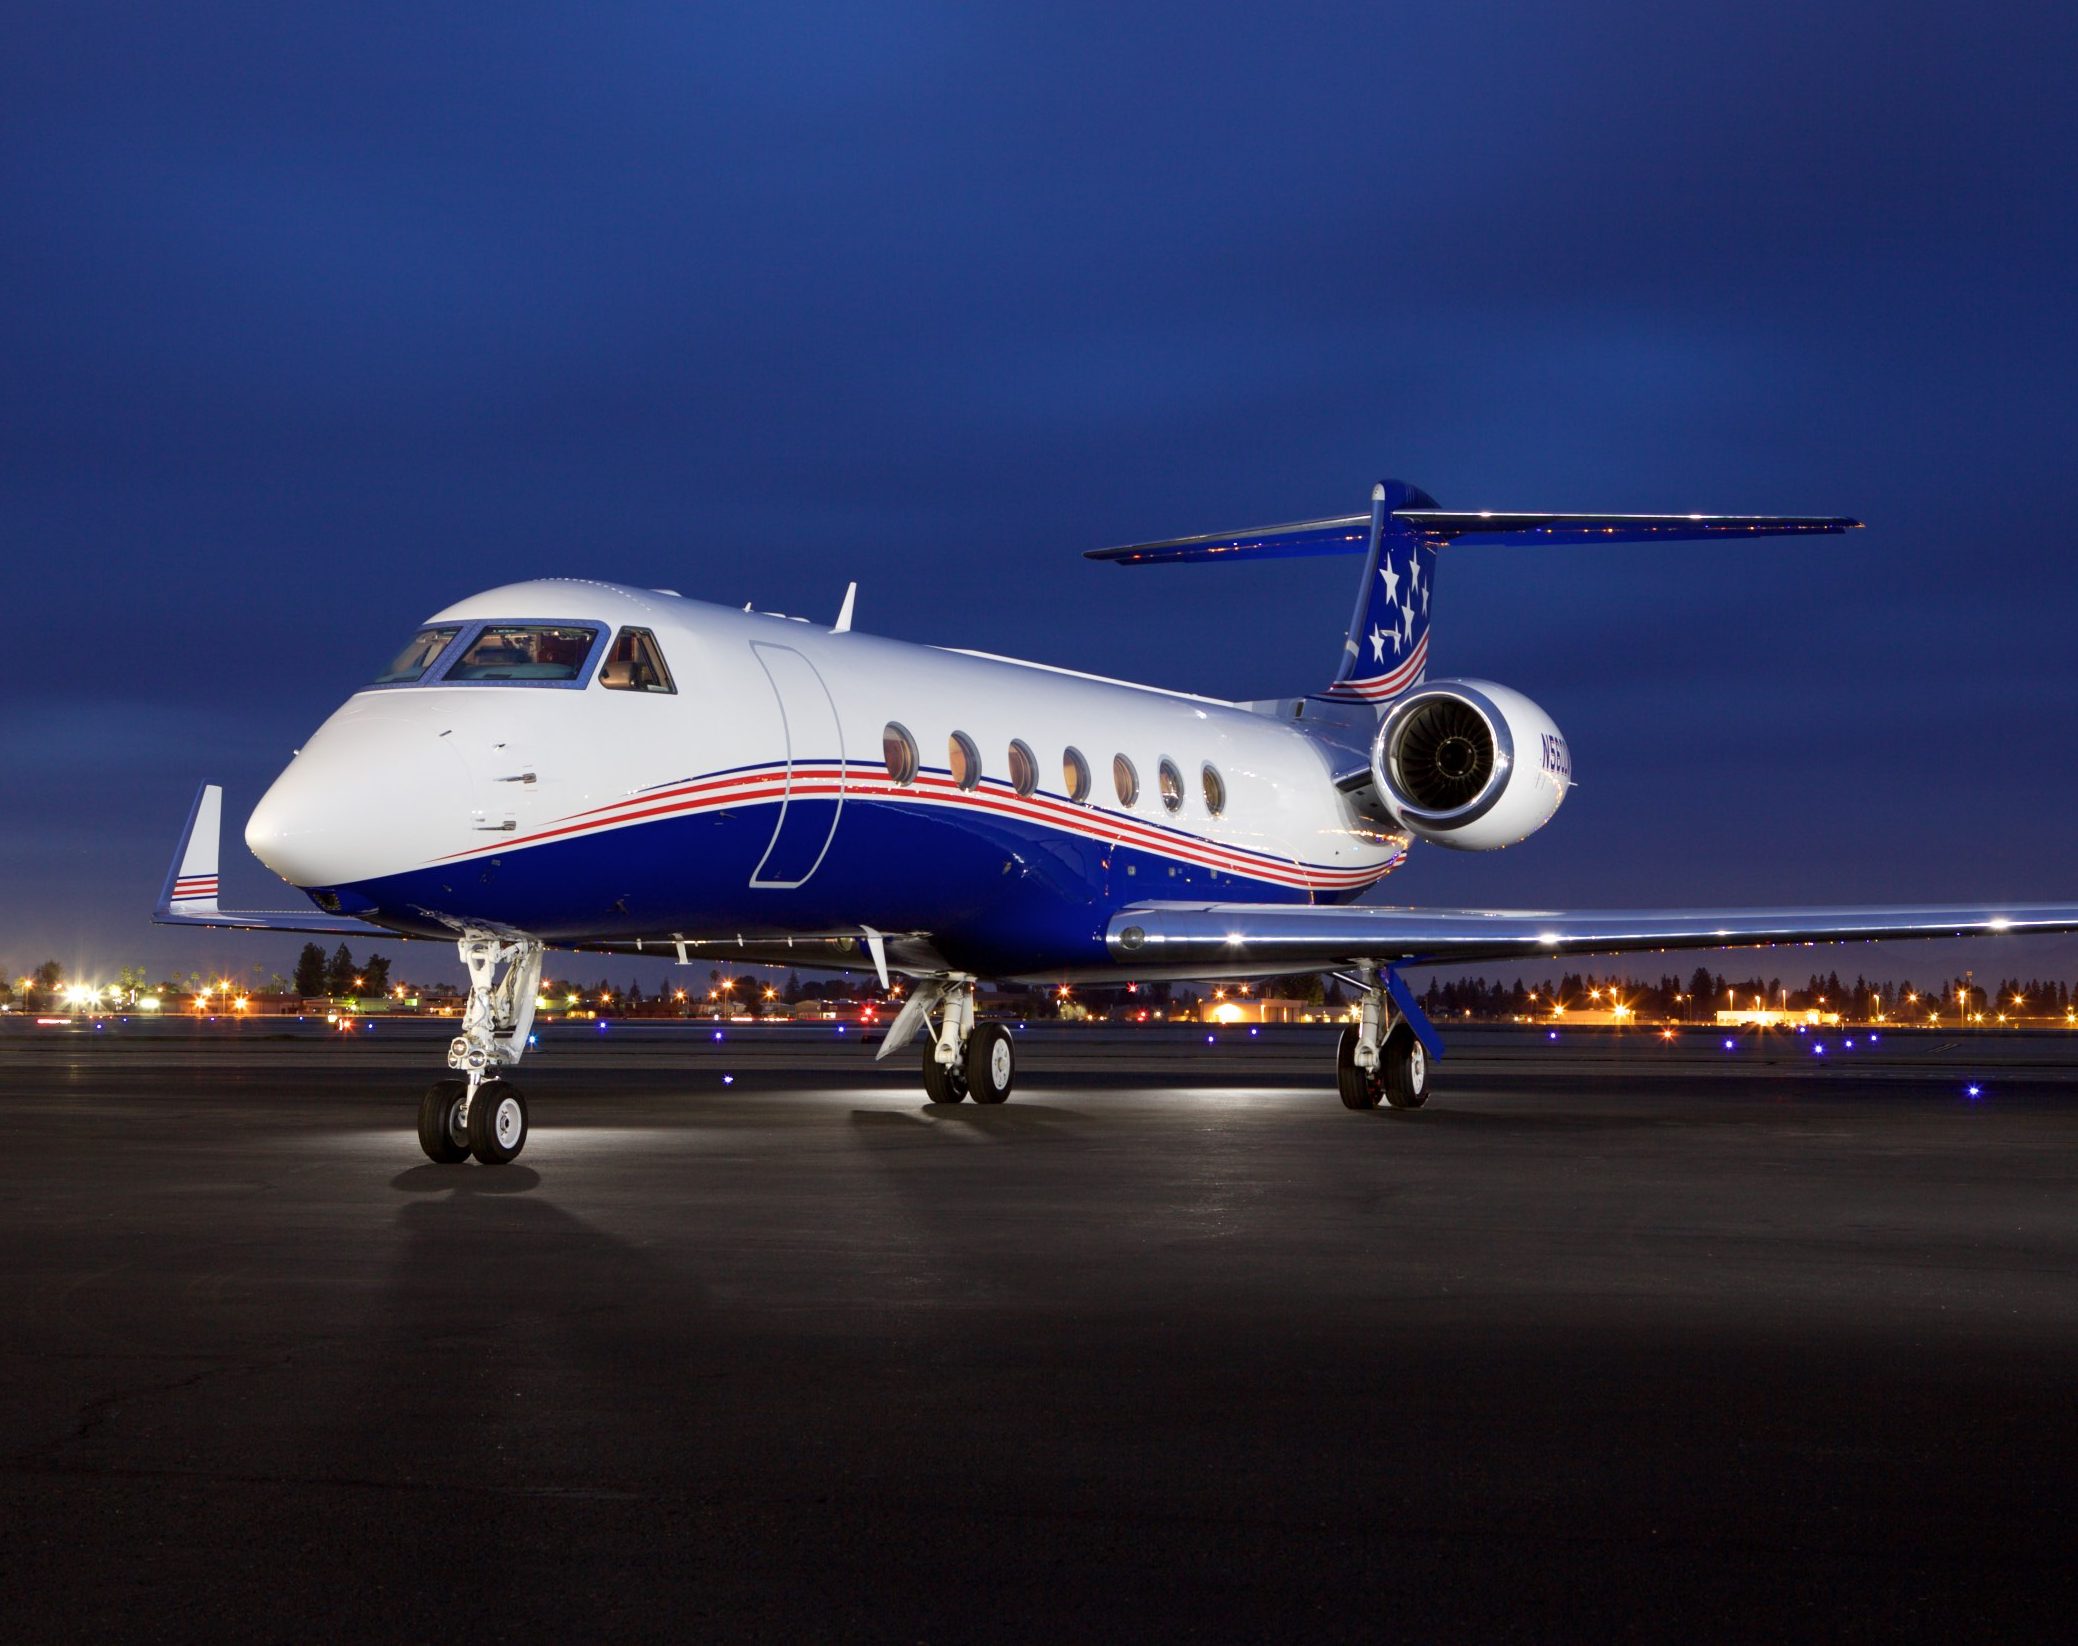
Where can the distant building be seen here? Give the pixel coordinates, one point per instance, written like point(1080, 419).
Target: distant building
point(1263, 1009)
point(1774, 1017)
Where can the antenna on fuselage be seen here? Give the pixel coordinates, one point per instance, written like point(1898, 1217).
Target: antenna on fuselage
point(843, 623)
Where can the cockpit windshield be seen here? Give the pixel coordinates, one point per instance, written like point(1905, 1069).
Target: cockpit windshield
point(530, 651)
point(415, 659)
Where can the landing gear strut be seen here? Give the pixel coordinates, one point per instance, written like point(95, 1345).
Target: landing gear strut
point(1383, 1056)
point(478, 1112)
point(962, 1060)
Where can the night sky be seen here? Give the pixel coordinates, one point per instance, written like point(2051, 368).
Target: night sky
point(314, 319)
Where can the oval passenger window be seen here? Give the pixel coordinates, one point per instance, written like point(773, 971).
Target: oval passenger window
point(1024, 770)
point(965, 760)
point(1171, 781)
point(1125, 780)
point(1075, 772)
point(1215, 790)
point(898, 749)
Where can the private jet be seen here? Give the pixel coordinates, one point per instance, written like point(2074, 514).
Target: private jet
point(573, 764)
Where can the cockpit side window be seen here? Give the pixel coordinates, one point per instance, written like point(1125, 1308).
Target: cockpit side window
point(635, 664)
point(527, 652)
point(415, 659)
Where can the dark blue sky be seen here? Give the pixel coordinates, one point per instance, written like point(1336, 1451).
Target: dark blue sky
point(313, 319)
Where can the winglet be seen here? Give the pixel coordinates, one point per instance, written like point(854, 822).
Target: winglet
point(191, 878)
point(189, 895)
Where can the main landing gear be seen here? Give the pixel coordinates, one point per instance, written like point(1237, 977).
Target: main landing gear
point(479, 1112)
point(1382, 1057)
point(963, 1059)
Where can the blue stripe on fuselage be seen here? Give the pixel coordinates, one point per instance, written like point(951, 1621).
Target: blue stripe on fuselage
point(999, 894)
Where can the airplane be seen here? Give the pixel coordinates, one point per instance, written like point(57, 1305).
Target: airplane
point(576, 764)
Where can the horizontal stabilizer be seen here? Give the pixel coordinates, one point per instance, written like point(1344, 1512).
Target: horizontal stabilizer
point(1350, 533)
point(1242, 939)
point(190, 893)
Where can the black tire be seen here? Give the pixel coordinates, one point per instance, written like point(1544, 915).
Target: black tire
point(942, 1085)
point(437, 1134)
point(497, 1123)
point(1360, 1088)
point(1405, 1066)
point(991, 1064)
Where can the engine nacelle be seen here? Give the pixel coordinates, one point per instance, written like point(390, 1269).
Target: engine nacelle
point(1471, 765)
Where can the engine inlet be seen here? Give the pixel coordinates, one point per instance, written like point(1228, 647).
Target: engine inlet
point(1442, 754)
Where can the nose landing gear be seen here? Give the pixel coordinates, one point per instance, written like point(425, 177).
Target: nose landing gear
point(481, 1113)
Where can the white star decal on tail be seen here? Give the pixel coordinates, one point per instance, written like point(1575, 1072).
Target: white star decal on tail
point(1391, 579)
point(1407, 618)
point(1377, 638)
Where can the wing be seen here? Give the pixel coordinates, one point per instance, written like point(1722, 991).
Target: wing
point(1244, 939)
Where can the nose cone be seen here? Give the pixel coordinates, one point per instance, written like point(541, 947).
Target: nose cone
point(375, 792)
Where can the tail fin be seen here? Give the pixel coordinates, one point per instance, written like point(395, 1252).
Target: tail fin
point(1387, 649)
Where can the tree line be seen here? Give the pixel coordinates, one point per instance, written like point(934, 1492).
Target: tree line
point(1705, 993)
point(338, 973)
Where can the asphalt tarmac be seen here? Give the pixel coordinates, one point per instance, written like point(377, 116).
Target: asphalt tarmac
point(1617, 1338)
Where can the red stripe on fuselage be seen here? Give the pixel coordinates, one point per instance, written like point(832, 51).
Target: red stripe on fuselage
point(832, 781)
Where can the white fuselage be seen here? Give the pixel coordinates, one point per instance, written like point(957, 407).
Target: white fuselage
point(758, 795)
